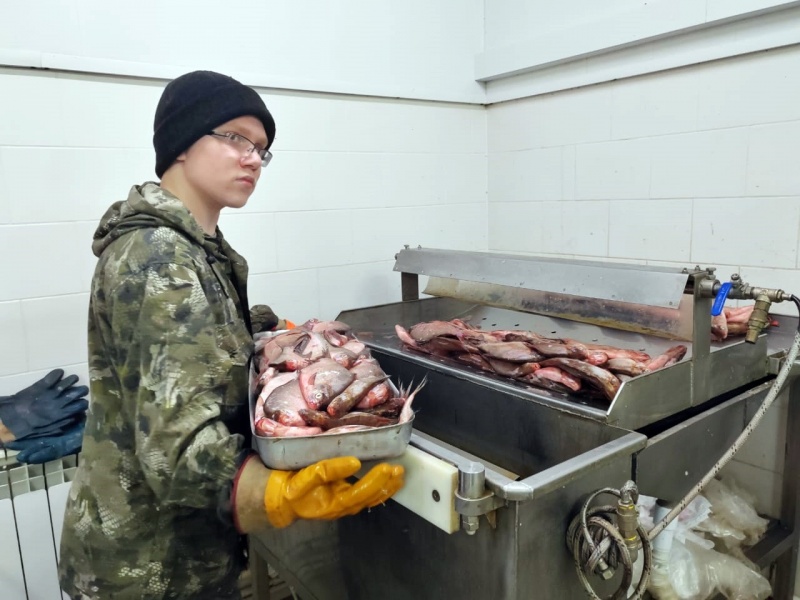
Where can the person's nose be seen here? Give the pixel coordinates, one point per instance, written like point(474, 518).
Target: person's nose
point(252, 160)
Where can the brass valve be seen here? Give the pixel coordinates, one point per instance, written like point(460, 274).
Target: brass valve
point(759, 318)
point(740, 290)
point(628, 518)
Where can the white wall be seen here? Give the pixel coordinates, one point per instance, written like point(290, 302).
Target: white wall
point(538, 47)
point(414, 49)
point(354, 176)
point(353, 179)
point(696, 165)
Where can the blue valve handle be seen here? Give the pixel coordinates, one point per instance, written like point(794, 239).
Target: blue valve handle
point(719, 299)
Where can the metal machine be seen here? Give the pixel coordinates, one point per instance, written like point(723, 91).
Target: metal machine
point(497, 469)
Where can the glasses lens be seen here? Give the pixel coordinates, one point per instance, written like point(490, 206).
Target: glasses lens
point(265, 158)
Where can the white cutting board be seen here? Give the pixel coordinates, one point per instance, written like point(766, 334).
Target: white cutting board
point(426, 479)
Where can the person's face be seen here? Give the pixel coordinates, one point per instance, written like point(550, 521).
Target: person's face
point(220, 171)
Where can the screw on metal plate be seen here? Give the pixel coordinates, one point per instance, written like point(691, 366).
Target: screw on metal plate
point(435, 495)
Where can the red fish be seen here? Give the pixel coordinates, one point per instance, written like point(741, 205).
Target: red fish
point(322, 381)
point(270, 428)
point(670, 357)
point(284, 404)
point(376, 396)
point(602, 379)
point(559, 376)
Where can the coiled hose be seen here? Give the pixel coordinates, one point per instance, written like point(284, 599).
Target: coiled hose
point(593, 536)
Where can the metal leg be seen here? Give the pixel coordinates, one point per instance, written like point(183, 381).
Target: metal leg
point(259, 572)
point(786, 564)
point(409, 286)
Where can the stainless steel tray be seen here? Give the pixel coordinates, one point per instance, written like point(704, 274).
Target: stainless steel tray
point(290, 453)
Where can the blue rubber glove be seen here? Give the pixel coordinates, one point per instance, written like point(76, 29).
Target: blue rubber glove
point(44, 449)
point(45, 407)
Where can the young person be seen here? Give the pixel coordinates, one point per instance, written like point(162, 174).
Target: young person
point(167, 482)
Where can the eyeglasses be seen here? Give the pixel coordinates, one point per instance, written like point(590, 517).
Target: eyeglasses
point(245, 146)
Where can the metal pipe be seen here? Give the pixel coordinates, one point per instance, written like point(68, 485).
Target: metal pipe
point(471, 485)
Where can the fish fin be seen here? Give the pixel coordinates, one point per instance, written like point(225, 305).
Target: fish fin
point(406, 413)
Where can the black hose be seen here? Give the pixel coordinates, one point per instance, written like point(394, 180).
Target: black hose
point(796, 301)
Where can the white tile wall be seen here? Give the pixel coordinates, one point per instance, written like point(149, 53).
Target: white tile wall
point(612, 170)
point(66, 184)
point(655, 105)
point(295, 295)
point(528, 175)
point(751, 89)
point(576, 117)
point(772, 160)
point(705, 163)
point(353, 179)
point(655, 230)
point(755, 232)
point(12, 355)
point(716, 172)
point(55, 335)
point(50, 259)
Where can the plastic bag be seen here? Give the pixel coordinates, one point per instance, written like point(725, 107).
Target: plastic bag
point(696, 512)
point(734, 521)
point(696, 573)
point(685, 564)
point(668, 549)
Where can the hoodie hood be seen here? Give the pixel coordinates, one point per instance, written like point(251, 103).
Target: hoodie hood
point(148, 206)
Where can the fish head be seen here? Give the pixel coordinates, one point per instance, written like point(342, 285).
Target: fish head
point(322, 393)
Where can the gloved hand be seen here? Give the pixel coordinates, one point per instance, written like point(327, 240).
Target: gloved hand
point(44, 449)
point(321, 491)
point(45, 407)
point(262, 318)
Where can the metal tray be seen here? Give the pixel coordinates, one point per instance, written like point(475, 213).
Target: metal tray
point(290, 453)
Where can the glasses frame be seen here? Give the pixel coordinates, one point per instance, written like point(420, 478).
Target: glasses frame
point(266, 155)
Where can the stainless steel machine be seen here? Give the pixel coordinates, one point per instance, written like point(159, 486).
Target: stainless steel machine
point(497, 469)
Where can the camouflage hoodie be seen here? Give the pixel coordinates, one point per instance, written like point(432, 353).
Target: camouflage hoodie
point(168, 352)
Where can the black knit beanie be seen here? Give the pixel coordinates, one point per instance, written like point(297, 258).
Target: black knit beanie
point(193, 104)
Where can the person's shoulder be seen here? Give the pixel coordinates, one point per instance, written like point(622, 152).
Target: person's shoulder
point(145, 250)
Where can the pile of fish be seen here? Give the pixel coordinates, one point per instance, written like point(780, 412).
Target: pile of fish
point(733, 322)
point(319, 379)
point(563, 365)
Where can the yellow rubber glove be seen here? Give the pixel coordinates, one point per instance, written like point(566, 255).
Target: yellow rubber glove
point(320, 491)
